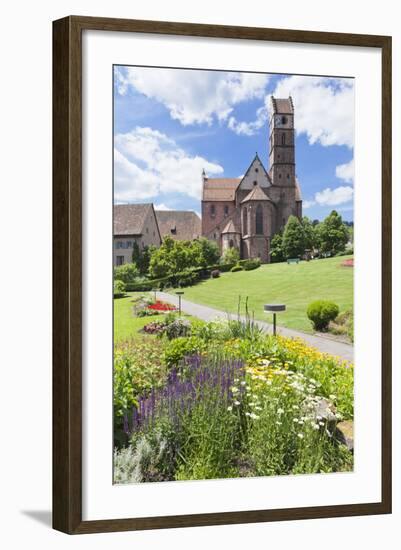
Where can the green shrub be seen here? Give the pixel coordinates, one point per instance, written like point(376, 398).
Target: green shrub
point(177, 328)
point(250, 264)
point(126, 272)
point(180, 347)
point(119, 288)
point(187, 277)
point(224, 267)
point(236, 268)
point(321, 312)
point(230, 256)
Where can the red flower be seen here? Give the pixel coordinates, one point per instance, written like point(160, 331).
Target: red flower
point(161, 306)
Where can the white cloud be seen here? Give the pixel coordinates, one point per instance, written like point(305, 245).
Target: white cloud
point(324, 108)
point(346, 171)
point(308, 204)
point(249, 128)
point(162, 206)
point(333, 197)
point(147, 163)
point(193, 96)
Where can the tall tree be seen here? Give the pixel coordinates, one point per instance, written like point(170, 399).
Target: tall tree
point(276, 248)
point(333, 234)
point(310, 233)
point(293, 238)
point(142, 257)
point(209, 250)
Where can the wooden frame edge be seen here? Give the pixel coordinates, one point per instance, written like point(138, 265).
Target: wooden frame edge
point(67, 275)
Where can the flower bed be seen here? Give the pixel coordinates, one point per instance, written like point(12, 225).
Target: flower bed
point(348, 263)
point(218, 403)
point(161, 306)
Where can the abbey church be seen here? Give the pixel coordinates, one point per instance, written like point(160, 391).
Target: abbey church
point(246, 212)
point(243, 213)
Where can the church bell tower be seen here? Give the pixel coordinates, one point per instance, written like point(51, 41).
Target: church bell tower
point(282, 150)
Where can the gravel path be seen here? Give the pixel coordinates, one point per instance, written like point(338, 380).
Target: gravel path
point(206, 313)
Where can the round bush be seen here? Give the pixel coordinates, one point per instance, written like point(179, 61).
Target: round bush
point(119, 288)
point(321, 312)
point(236, 268)
point(215, 274)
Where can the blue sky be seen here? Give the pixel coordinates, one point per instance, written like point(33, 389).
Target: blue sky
point(169, 124)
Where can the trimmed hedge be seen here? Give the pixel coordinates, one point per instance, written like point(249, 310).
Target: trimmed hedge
point(190, 276)
point(236, 268)
point(251, 263)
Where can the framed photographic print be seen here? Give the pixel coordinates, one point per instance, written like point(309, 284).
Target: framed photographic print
point(222, 275)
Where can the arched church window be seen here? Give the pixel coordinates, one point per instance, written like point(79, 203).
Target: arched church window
point(213, 210)
point(231, 243)
point(282, 139)
point(245, 221)
point(259, 220)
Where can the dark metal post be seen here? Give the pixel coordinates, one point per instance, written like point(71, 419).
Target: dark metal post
point(179, 294)
point(273, 308)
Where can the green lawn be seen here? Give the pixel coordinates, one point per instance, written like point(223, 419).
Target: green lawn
point(125, 324)
point(295, 285)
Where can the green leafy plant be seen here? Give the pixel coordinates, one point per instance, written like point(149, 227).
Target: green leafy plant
point(118, 288)
point(321, 312)
point(236, 268)
point(177, 328)
point(293, 238)
point(230, 256)
point(127, 273)
point(180, 347)
point(250, 264)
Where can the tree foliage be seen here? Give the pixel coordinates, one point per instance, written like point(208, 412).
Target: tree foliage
point(176, 256)
point(142, 257)
point(126, 273)
point(332, 234)
point(293, 238)
point(210, 251)
point(231, 256)
point(309, 233)
point(276, 248)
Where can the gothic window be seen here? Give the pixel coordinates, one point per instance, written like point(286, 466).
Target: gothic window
point(245, 221)
point(226, 210)
point(231, 243)
point(255, 182)
point(213, 210)
point(282, 139)
point(259, 220)
point(279, 176)
point(256, 169)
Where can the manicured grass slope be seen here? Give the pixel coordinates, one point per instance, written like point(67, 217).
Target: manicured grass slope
point(295, 285)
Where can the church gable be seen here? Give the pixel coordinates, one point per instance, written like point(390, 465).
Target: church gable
point(255, 175)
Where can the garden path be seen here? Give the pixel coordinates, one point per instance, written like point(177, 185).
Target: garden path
point(206, 313)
